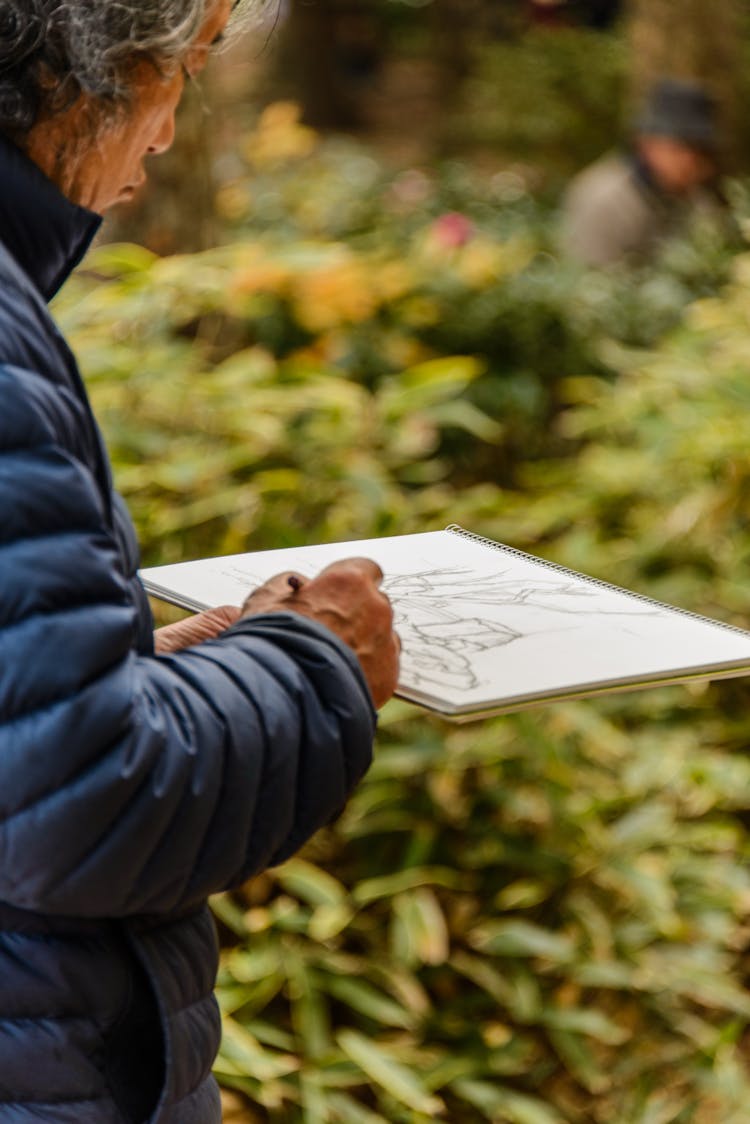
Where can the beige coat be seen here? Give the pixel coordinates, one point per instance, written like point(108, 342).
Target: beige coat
point(610, 214)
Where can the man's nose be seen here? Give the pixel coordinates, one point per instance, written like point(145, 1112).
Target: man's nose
point(164, 138)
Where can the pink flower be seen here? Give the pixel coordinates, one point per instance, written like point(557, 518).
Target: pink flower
point(452, 230)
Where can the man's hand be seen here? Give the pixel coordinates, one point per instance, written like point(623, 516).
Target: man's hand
point(347, 599)
point(194, 630)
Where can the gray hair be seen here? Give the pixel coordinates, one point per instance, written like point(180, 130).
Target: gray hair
point(52, 51)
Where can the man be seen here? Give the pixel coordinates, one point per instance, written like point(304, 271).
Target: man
point(139, 773)
point(626, 205)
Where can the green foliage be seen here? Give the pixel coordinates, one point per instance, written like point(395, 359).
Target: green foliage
point(553, 97)
point(663, 463)
point(532, 920)
point(335, 269)
point(528, 921)
point(213, 436)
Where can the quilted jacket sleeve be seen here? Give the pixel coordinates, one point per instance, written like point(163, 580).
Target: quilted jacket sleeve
point(130, 783)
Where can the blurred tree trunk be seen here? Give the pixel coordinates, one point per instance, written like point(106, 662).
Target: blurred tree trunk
point(175, 213)
point(692, 39)
point(328, 51)
point(307, 59)
point(454, 25)
point(458, 26)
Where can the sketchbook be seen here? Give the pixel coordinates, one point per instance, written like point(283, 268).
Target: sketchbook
point(486, 629)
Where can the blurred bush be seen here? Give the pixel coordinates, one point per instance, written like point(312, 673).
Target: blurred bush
point(537, 920)
point(333, 264)
point(533, 920)
point(219, 440)
point(658, 489)
point(554, 98)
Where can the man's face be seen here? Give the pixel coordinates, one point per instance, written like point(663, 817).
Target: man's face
point(109, 167)
point(677, 167)
point(149, 127)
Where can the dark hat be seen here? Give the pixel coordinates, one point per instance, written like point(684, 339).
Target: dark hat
point(682, 110)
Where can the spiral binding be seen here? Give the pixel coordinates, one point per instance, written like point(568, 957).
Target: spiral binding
point(456, 529)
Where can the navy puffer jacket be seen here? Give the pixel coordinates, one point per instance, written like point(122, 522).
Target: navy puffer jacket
point(131, 785)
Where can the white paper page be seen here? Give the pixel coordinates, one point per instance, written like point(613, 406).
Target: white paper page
point(480, 626)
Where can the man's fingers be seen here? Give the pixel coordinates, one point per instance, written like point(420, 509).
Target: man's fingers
point(362, 567)
point(224, 614)
point(284, 583)
point(290, 582)
point(277, 588)
point(347, 598)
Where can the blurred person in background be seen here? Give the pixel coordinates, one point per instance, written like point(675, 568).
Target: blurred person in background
point(598, 14)
point(549, 13)
point(139, 771)
point(628, 204)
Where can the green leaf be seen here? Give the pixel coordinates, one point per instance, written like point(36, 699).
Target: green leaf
point(253, 966)
point(420, 931)
point(362, 997)
point(244, 1049)
point(425, 386)
point(314, 1100)
point(388, 885)
point(270, 1035)
point(523, 894)
point(605, 974)
point(309, 1008)
point(310, 883)
point(382, 1068)
point(346, 1110)
point(229, 913)
point(579, 1059)
point(463, 415)
point(590, 1022)
point(328, 921)
point(117, 258)
point(498, 1104)
point(521, 938)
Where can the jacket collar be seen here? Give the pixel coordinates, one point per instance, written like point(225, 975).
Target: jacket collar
point(643, 175)
point(45, 233)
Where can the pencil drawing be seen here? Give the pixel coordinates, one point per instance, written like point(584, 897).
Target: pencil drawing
point(441, 642)
point(436, 613)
